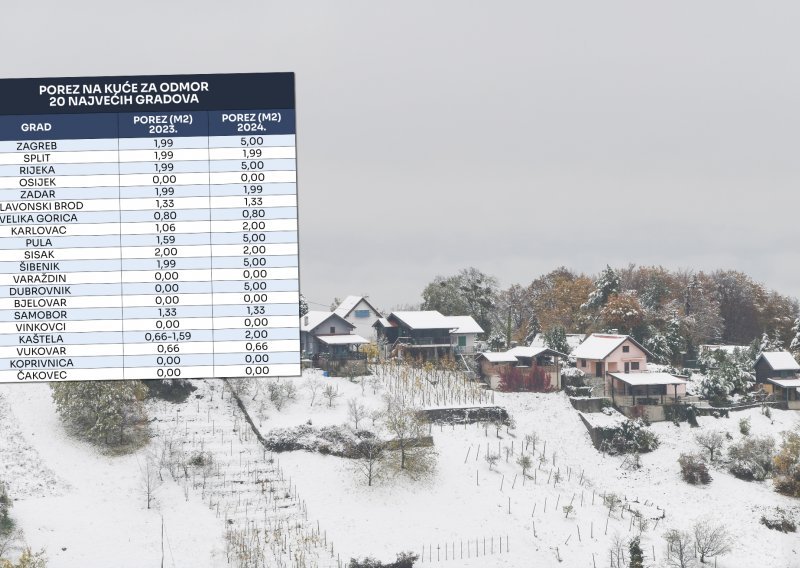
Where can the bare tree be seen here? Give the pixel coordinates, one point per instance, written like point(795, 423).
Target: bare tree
point(356, 412)
point(712, 441)
point(491, 459)
point(331, 393)
point(313, 385)
point(680, 549)
point(711, 539)
point(370, 454)
point(403, 422)
point(8, 540)
point(150, 479)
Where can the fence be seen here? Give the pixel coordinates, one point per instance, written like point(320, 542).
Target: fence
point(461, 549)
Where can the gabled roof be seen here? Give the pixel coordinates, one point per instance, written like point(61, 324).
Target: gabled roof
point(513, 355)
point(648, 379)
point(422, 319)
point(601, 345)
point(531, 352)
point(383, 322)
point(349, 304)
point(493, 357)
point(315, 318)
point(464, 324)
point(779, 360)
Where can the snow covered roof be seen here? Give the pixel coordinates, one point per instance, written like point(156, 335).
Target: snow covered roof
point(498, 357)
point(314, 318)
point(648, 379)
point(349, 303)
point(575, 339)
point(731, 349)
point(464, 324)
point(383, 322)
point(601, 345)
point(522, 351)
point(780, 360)
point(343, 339)
point(423, 319)
point(785, 383)
point(514, 354)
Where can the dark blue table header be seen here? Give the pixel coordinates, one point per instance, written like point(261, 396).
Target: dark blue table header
point(130, 94)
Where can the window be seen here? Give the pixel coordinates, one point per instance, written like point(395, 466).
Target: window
point(333, 329)
point(583, 362)
point(362, 313)
point(635, 366)
point(462, 340)
point(626, 348)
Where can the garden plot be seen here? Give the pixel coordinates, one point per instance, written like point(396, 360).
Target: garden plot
point(468, 501)
point(212, 454)
point(87, 509)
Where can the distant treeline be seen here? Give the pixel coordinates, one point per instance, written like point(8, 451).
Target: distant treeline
point(670, 312)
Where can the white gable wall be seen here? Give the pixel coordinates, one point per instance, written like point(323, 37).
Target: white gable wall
point(364, 324)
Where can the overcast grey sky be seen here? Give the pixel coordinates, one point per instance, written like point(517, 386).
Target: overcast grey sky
point(511, 136)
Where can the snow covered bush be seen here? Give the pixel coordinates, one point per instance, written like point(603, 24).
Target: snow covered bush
point(631, 436)
point(28, 559)
point(744, 426)
point(787, 465)
point(751, 458)
point(173, 390)
point(693, 469)
point(404, 560)
point(779, 520)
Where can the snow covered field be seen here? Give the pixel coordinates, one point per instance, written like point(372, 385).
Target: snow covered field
point(88, 509)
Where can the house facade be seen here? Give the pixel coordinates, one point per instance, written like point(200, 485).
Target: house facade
point(362, 314)
point(602, 353)
point(327, 339)
point(778, 373)
point(529, 359)
point(427, 335)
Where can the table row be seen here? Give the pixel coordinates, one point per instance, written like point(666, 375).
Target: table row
point(145, 373)
point(161, 179)
point(165, 154)
point(157, 141)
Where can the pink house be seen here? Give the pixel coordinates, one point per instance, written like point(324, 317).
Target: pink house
point(602, 353)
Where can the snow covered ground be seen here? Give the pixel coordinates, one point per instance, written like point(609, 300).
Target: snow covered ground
point(88, 509)
point(465, 500)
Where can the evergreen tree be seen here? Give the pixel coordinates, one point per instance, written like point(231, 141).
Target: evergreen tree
point(794, 346)
point(303, 305)
point(635, 554)
point(556, 339)
point(606, 285)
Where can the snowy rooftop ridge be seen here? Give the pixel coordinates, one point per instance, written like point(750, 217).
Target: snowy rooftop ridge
point(464, 324)
point(315, 317)
point(651, 379)
point(598, 346)
point(780, 360)
point(432, 319)
point(349, 303)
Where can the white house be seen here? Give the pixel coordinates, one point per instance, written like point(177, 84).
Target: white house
point(358, 311)
point(327, 332)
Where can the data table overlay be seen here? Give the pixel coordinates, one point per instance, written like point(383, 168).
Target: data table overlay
point(148, 228)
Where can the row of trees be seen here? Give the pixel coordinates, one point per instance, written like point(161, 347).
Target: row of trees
point(671, 312)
